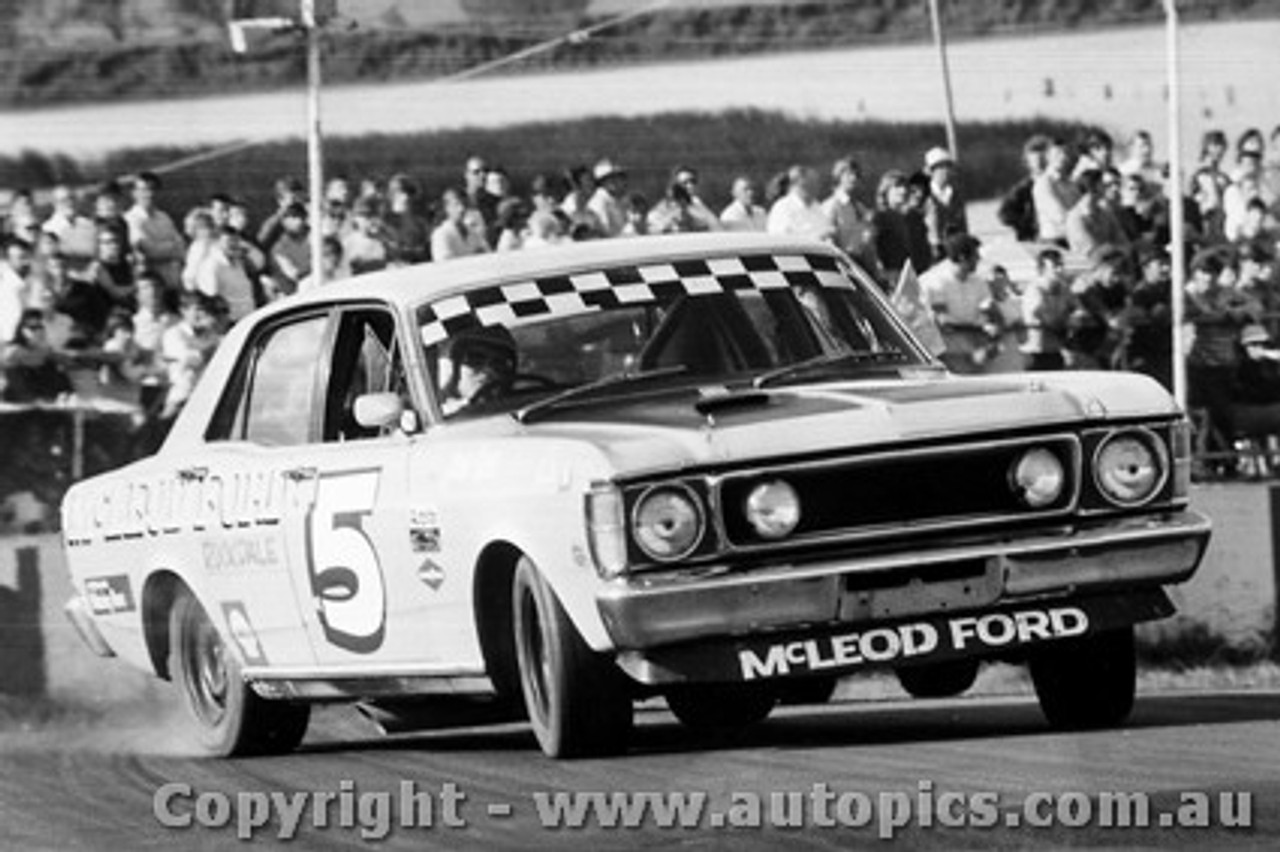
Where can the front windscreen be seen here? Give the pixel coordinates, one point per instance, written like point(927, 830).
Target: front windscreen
point(750, 319)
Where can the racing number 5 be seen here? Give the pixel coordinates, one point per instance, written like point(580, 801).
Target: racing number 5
point(346, 579)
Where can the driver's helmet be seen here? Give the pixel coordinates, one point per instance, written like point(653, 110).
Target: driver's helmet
point(489, 346)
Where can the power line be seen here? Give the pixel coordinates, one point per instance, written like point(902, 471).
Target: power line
point(577, 36)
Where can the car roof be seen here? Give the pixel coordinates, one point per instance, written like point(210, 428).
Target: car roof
point(412, 284)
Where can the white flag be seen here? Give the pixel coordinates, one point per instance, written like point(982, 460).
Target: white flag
point(909, 301)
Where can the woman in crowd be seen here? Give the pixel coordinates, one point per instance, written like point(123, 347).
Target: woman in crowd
point(33, 370)
point(890, 232)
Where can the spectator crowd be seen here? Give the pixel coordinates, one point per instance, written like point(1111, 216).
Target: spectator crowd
point(105, 295)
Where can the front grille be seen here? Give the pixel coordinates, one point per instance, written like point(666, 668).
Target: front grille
point(886, 493)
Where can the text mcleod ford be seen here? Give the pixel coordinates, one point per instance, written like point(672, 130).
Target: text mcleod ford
point(915, 639)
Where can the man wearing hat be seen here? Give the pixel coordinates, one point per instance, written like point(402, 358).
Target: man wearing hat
point(1255, 408)
point(609, 201)
point(1259, 375)
point(944, 212)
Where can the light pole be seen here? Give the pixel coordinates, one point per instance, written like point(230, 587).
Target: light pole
point(940, 40)
point(1177, 223)
point(311, 24)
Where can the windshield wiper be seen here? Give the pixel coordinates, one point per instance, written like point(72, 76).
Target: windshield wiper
point(826, 361)
point(579, 392)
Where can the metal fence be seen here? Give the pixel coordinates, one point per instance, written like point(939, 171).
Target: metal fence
point(43, 449)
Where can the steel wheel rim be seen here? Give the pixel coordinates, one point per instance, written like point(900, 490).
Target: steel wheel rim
point(537, 668)
point(208, 680)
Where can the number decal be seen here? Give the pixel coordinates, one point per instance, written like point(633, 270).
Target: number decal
point(346, 579)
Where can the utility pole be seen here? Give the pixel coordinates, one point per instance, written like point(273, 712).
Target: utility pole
point(1177, 253)
point(940, 40)
point(248, 16)
point(312, 24)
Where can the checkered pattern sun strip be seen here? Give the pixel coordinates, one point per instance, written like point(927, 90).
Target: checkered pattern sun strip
point(569, 295)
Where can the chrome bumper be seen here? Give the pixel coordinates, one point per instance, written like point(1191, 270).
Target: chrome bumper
point(650, 610)
point(78, 614)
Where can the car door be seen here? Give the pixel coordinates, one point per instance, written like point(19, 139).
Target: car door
point(370, 607)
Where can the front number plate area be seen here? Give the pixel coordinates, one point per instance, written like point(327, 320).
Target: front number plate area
point(904, 591)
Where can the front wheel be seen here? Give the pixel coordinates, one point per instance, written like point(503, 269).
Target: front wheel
point(809, 690)
point(1087, 682)
point(579, 703)
point(231, 719)
point(710, 707)
point(938, 680)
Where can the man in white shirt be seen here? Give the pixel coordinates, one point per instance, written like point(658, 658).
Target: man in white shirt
point(14, 285)
point(454, 237)
point(76, 233)
point(226, 273)
point(609, 201)
point(1054, 194)
point(743, 214)
point(958, 296)
point(798, 213)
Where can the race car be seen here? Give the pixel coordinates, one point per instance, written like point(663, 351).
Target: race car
point(550, 484)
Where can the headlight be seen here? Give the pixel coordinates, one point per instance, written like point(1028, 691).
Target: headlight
point(1037, 477)
point(773, 508)
point(668, 522)
point(1128, 469)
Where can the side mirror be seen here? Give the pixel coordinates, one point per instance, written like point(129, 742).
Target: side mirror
point(380, 410)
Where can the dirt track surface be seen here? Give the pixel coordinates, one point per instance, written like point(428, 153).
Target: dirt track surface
point(95, 789)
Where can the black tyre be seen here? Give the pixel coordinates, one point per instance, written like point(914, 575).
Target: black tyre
point(722, 706)
point(231, 719)
point(1087, 682)
point(809, 690)
point(579, 702)
point(938, 680)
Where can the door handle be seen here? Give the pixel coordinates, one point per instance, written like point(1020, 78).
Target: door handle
point(195, 473)
point(298, 474)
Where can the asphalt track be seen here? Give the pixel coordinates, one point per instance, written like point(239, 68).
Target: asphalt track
point(95, 789)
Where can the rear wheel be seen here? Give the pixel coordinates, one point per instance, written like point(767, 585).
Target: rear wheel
point(579, 703)
point(938, 680)
point(231, 719)
point(1087, 682)
point(712, 707)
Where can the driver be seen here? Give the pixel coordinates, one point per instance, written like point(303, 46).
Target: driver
point(479, 366)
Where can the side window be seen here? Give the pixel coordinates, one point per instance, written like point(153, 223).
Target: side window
point(277, 395)
point(366, 359)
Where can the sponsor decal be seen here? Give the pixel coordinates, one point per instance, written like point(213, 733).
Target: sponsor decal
point(424, 531)
point(163, 505)
point(431, 574)
point(251, 552)
point(242, 632)
point(904, 642)
point(109, 595)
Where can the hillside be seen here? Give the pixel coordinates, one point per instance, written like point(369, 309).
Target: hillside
point(55, 51)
